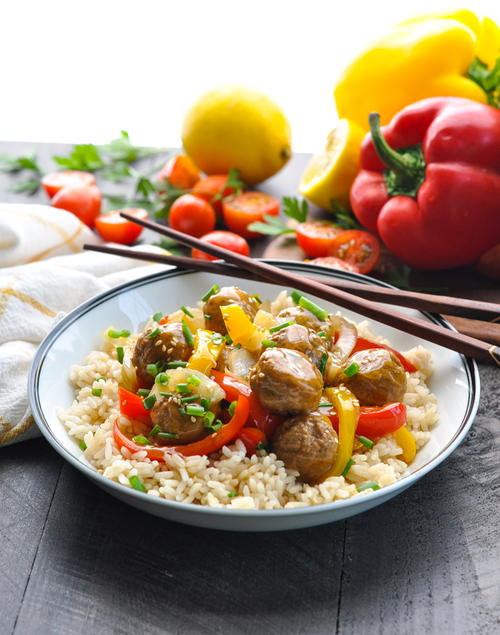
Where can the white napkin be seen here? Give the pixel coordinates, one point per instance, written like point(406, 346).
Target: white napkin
point(32, 298)
point(29, 233)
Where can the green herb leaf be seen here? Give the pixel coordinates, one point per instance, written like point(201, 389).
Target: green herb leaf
point(234, 181)
point(158, 316)
point(29, 187)
point(344, 218)
point(295, 208)
point(84, 156)
point(12, 164)
point(269, 229)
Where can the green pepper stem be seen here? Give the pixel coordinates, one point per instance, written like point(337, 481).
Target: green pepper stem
point(402, 165)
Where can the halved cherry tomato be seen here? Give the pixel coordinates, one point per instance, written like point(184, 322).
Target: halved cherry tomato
point(213, 189)
point(192, 215)
point(228, 240)
point(315, 237)
point(363, 344)
point(180, 171)
point(113, 228)
point(131, 405)
point(241, 210)
point(251, 438)
point(56, 181)
point(358, 248)
point(375, 422)
point(333, 263)
point(83, 202)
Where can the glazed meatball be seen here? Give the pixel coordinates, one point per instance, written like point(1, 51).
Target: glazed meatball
point(381, 377)
point(166, 413)
point(307, 443)
point(225, 297)
point(300, 338)
point(169, 344)
point(300, 316)
point(286, 382)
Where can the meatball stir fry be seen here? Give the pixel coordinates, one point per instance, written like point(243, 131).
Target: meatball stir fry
point(298, 382)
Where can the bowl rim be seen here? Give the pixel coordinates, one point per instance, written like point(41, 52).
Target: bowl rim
point(469, 365)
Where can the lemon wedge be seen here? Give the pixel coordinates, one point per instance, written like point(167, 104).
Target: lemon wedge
point(329, 175)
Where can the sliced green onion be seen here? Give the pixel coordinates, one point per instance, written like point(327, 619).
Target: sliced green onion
point(97, 392)
point(158, 316)
point(120, 354)
point(82, 445)
point(153, 333)
point(188, 335)
point(262, 446)
point(193, 380)
point(326, 404)
point(283, 325)
point(183, 388)
point(268, 343)
point(296, 295)
point(176, 364)
point(195, 410)
point(232, 408)
point(213, 426)
point(217, 339)
point(369, 485)
point(351, 370)
point(140, 439)
point(232, 494)
point(208, 419)
point(154, 430)
point(189, 399)
point(167, 394)
point(162, 379)
point(116, 334)
point(256, 297)
point(311, 306)
point(322, 334)
point(368, 443)
point(228, 339)
point(210, 292)
point(143, 392)
point(205, 403)
point(137, 484)
point(207, 317)
point(101, 378)
point(322, 363)
point(186, 311)
point(154, 369)
point(168, 435)
point(149, 402)
point(348, 466)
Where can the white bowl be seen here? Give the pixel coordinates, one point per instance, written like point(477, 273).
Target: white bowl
point(455, 383)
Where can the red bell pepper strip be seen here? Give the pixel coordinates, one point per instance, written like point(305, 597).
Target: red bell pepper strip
point(252, 437)
point(362, 345)
point(375, 422)
point(430, 182)
point(259, 416)
point(131, 405)
point(209, 444)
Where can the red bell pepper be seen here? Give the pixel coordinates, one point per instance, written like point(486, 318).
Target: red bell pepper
point(132, 405)
point(430, 183)
point(376, 421)
point(362, 345)
point(252, 437)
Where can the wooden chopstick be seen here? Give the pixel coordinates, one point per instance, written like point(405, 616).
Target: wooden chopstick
point(431, 332)
point(421, 301)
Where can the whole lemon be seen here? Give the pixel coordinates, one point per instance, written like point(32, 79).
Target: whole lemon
point(236, 127)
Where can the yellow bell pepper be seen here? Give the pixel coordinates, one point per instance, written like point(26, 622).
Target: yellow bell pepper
point(426, 56)
point(207, 348)
point(406, 441)
point(241, 329)
point(347, 407)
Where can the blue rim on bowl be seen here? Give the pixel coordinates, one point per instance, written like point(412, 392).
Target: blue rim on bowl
point(218, 517)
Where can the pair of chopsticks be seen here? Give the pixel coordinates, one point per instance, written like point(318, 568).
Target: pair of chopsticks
point(339, 292)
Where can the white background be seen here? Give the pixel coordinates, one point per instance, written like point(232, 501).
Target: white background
point(81, 71)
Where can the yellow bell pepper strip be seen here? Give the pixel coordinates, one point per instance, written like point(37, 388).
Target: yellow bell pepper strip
point(406, 441)
point(347, 408)
point(208, 345)
point(241, 328)
point(427, 56)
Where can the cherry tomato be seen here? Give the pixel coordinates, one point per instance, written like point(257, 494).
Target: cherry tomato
point(333, 263)
point(180, 171)
point(192, 215)
point(252, 437)
point(113, 228)
point(56, 181)
point(213, 189)
point(248, 207)
point(360, 249)
point(228, 240)
point(83, 202)
point(315, 237)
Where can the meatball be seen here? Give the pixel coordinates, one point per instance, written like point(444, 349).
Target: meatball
point(380, 379)
point(300, 316)
point(300, 338)
point(307, 443)
point(168, 344)
point(167, 414)
point(225, 297)
point(286, 382)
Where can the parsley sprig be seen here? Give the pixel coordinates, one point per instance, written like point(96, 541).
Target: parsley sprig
point(15, 165)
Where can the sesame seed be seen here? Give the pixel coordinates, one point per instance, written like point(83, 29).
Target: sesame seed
point(164, 348)
point(169, 350)
point(158, 343)
point(193, 419)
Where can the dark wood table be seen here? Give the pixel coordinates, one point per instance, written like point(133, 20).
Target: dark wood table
point(75, 560)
